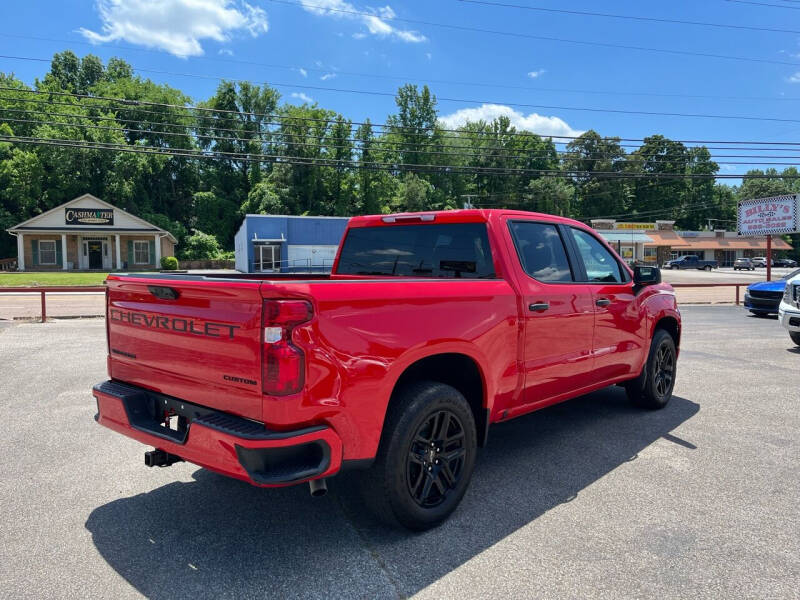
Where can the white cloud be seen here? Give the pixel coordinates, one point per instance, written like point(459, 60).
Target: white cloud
point(359, 35)
point(429, 55)
point(535, 74)
point(303, 72)
point(375, 20)
point(304, 97)
point(328, 76)
point(176, 26)
point(794, 78)
point(225, 52)
point(540, 124)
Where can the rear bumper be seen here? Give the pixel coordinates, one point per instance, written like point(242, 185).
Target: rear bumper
point(218, 441)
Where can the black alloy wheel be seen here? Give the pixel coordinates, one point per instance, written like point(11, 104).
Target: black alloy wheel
point(653, 387)
point(436, 459)
point(425, 458)
point(664, 369)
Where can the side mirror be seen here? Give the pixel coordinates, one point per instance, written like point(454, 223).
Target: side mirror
point(643, 276)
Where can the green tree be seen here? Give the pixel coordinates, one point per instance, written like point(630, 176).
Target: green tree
point(699, 202)
point(552, 195)
point(413, 194)
point(339, 147)
point(264, 200)
point(212, 211)
point(661, 194)
point(588, 159)
point(237, 127)
point(200, 246)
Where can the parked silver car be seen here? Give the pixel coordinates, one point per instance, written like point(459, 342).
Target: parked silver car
point(761, 261)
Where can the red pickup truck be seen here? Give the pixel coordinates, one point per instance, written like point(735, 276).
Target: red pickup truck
point(430, 327)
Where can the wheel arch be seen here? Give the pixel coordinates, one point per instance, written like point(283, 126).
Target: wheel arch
point(670, 324)
point(456, 369)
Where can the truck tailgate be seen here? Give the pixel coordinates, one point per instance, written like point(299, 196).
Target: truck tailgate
point(191, 338)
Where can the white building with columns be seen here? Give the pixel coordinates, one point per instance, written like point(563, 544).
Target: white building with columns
point(88, 234)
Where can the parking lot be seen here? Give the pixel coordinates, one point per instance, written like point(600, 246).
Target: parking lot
point(591, 498)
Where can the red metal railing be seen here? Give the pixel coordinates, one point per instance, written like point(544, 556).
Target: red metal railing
point(101, 288)
point(711, 285)
point(56, 288)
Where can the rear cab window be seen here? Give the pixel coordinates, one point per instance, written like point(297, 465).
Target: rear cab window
point(441, 251)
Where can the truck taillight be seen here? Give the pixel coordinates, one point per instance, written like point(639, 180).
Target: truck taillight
point(283, 366)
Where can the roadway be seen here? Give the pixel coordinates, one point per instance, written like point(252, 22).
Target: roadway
point(591, 498)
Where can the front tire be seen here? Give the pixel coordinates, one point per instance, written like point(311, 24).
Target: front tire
point(653, 388)
point(707, 268)
point(795, 335)
point(425, 459)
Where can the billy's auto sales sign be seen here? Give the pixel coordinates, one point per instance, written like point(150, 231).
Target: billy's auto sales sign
point(769, 216)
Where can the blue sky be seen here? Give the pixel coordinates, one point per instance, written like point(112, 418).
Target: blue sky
point(311, 49)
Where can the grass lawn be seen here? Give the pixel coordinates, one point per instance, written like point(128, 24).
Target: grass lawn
point(45, 279)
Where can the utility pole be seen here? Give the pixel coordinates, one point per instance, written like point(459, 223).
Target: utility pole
point(467, 200)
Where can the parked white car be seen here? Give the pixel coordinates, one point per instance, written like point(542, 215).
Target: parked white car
point(789, 309)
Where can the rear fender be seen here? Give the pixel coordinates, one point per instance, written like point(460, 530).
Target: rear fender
point(430, 350)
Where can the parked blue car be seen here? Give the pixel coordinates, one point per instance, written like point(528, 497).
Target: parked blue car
point(763, 298)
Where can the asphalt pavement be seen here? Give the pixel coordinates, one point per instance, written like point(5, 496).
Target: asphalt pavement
point(591, 498)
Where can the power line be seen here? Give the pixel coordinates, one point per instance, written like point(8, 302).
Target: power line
point(324, 145)
point(428, 80)
point(416, 131)
point(277, 121)
point(762, 4)
point(327, 162)
point(503, 152)
point(536, 37)
point(466, 100)
point(627, 17)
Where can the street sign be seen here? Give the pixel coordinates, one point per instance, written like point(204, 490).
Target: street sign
point(769, 216)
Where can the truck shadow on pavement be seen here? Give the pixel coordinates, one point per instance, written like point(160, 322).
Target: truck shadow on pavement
point(218, 537)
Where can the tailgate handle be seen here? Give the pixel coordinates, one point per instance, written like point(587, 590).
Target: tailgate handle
point(163, 292)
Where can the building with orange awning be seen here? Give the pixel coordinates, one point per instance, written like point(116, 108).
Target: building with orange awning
point(666, 243)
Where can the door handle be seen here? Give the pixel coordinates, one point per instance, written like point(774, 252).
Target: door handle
point(540, 307)
point(602, 302)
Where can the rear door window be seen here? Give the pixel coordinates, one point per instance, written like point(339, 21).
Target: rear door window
point(541, 251)
point(444, 251)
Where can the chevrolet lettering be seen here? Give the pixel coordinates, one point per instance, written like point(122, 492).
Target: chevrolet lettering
point(177, 324)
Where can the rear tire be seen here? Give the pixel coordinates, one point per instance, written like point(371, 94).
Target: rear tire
point(653, 387)
point(795, 337)
point(425, 459)
point(707, 268)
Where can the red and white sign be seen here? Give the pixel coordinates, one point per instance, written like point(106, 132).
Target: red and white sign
point(769, 216)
